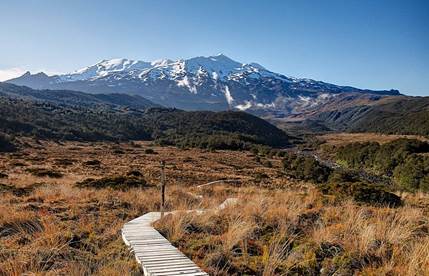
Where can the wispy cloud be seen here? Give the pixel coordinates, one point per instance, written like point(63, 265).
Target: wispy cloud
point(7, 74)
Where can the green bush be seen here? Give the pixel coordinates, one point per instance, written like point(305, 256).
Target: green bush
point(345, 184)
point(413, 173)
point(340, 183)
point(400, 159)
point(362, 192)
point(305, 168)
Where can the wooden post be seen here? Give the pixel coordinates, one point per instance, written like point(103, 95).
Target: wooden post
point(162, 188)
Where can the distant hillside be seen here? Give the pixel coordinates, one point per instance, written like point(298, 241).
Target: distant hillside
point(51, 121)
point(403, 116)
point(389, 115)
point(28, 115)
point(70, 98)
point(227, 129)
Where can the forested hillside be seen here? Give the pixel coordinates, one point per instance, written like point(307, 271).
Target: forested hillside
point(75, 98)
point(408, 115)
point(396, 115)
point(232, 130)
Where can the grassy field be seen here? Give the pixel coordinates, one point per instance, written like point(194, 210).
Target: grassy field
point(301, 232)
point(339, 139)
point(50, 225)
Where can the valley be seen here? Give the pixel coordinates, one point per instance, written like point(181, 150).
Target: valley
point(75, 167)
point(214, 138)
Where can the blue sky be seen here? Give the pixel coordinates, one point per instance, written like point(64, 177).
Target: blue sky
point(367, 43)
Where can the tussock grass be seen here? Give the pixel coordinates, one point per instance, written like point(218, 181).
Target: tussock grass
point(278, 227)
point(302, 232)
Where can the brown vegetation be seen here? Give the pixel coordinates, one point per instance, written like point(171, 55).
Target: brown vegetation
point(302, 233)
point(339, 139)
point(280, 226)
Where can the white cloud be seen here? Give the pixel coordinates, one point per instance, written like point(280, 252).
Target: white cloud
point(7, 74)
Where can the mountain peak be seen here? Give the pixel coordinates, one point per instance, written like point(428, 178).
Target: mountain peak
point(40, 74)
point(214, 82)
point(220, 56)
point(219, 64)
point(161, 62)
point(105, 67)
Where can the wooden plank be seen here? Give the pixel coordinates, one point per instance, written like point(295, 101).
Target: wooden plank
point(154, 252)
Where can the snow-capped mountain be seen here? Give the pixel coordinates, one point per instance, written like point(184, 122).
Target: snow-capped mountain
point(213, 83)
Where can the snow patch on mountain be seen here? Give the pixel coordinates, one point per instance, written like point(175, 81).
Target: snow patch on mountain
point(228, 96)
point(185, 83)
point(104, 68)
point(245, 106)
point(218, 68)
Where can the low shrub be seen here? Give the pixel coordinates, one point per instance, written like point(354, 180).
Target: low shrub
point(362, 192)
point(94, 162)
point(121, 182)
point(44, 172)
point(134, 173)
point(19, 191)
point(305, 168)
point(150, 151)
point(64, 161)
point(259, 177)
point(7, 188)
point(340, 183)
point(118, 151)
point(413, 173)
point(17, 163)
point(268, 164)
point(21, 225)
point(6, 145)
point(262, 150)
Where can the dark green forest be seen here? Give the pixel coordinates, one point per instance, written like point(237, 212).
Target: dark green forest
point(213, 130)
point(406, 161)
point(341, 183)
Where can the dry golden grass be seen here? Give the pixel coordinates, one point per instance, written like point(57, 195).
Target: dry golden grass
point(53, 227)
point(339, 139)
point(277, 232)
point(278, 227)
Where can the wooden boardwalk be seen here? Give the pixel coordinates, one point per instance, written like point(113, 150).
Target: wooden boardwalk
point(154, 252)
